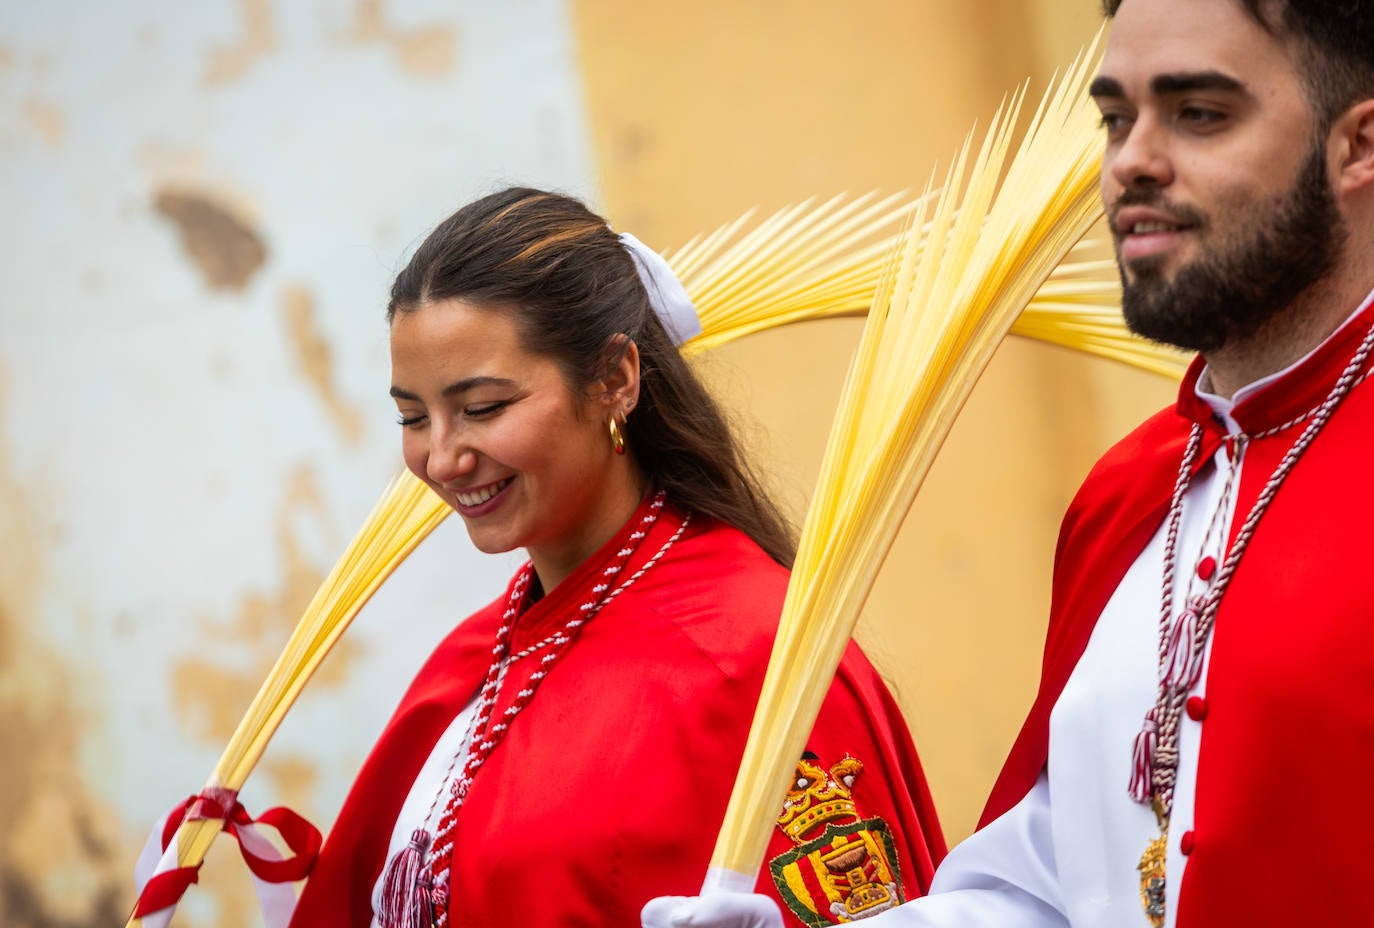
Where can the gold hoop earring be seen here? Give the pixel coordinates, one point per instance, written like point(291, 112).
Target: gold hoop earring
point(617, 436)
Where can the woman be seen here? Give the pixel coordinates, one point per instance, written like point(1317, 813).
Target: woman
point(567, 752)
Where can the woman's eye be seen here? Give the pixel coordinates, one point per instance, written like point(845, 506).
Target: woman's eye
point(478, 410)
point(407, 422)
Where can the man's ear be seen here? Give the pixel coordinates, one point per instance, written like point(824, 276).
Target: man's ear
point(1352, 136)
point(620, 380)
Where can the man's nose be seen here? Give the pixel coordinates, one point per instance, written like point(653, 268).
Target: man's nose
point(1142, 159)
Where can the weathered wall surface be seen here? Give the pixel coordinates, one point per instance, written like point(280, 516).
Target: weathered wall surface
point(204, 206)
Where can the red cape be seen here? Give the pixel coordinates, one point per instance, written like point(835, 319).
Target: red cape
point(610, 788)
point(1281, 830)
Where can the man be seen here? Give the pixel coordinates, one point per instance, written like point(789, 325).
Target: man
point(1199, 751)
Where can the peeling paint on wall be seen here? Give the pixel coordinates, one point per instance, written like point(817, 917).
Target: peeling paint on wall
point(425, 51)
point(232, 164)
point(63, 866)
point(176, 167)
point(59, 859)
point(228, 63)
point(46, 119)
point(210, 697)
point(225, 249)
point(295, 779)
point(315, 359)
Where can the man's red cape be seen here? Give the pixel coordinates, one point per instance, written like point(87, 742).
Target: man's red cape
point(1283, 813)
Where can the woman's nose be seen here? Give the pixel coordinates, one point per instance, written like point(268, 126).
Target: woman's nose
point(449, 459)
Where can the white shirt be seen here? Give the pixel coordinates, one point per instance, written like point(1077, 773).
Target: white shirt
point(424, 803)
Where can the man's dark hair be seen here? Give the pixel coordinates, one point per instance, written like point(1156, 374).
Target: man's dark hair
point(1335, 43)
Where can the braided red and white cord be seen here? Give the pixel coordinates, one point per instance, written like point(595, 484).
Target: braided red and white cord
point(1183, 634)
point(415, 886)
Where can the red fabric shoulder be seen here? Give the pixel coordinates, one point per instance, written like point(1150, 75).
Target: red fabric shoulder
point(723, 594)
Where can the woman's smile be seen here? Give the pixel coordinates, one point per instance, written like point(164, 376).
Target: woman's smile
point(477, 502)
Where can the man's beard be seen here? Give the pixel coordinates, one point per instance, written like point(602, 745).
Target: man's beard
point(1230, 293)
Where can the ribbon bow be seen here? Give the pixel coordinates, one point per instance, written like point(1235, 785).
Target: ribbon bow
point(163, 883)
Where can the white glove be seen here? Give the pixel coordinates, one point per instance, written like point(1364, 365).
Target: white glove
point(717, 910)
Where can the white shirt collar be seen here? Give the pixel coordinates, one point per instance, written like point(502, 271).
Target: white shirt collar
point(1222, 406)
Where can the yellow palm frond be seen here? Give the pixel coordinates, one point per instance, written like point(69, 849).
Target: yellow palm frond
point(970, 264)
point(822, 261)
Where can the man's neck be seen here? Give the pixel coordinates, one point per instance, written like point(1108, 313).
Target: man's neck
point(1290, 335)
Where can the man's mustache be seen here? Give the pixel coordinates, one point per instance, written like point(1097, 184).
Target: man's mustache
point(1153, 199)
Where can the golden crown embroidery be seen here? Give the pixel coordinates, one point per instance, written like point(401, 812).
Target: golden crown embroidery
point(843, 867)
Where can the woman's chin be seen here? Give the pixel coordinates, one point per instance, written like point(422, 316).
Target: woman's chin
point(489, 542)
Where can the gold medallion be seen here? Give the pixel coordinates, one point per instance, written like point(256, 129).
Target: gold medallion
point(1151, 869)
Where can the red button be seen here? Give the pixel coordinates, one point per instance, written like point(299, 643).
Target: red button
point(1196, 707)
point(1207, 567)
point(1185, 844)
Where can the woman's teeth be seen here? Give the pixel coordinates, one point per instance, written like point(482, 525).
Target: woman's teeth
point(480, 496)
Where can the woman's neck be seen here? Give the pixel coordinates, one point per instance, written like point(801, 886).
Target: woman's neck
point(624, 492)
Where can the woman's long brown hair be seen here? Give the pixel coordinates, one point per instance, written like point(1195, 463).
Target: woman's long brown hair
point(574, 289)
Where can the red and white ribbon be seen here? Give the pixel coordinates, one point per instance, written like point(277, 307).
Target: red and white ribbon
point(161, 881)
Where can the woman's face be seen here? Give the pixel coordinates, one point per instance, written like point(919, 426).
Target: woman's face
point(499, 433)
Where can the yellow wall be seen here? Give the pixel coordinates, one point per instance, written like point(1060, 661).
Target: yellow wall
point(699, 113)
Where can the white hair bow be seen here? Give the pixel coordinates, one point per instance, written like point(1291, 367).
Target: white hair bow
point(667, 296)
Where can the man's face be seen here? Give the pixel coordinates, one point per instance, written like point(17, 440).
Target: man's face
point(1215, 185)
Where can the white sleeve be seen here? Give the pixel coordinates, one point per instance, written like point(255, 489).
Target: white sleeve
point(1001, 875)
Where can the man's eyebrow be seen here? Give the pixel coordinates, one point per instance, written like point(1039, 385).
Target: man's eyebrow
point(1166, 84)
point(1196, 80)
point(458, 386)
point(1105, 87)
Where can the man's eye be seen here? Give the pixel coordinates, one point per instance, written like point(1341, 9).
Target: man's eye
point(1116, 124)
point(1200, 115)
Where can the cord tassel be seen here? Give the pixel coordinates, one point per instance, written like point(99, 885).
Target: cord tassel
point(405, 898)
point(422, 903)
point(1142, 759)
point(1183, 657)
